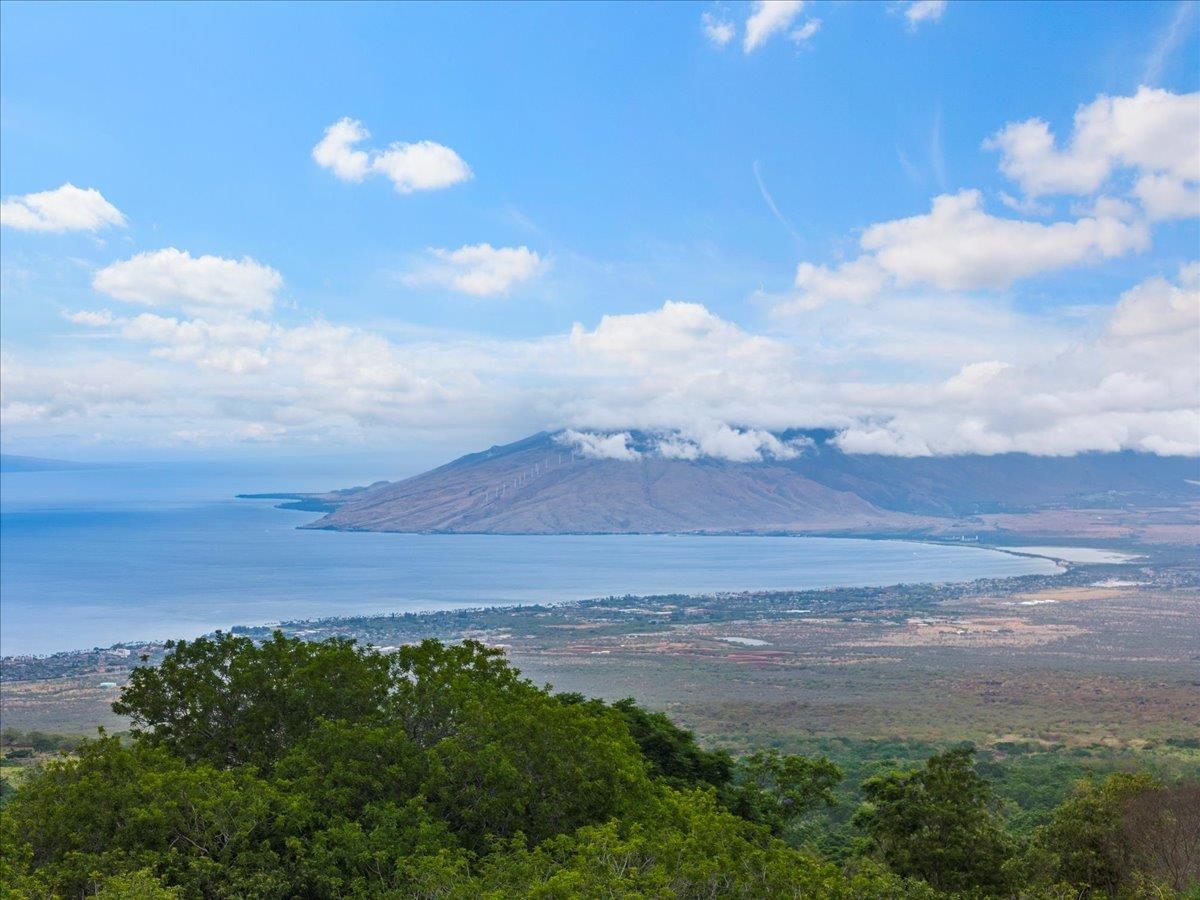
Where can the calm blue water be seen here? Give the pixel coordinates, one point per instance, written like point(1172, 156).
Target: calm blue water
point(90, 558)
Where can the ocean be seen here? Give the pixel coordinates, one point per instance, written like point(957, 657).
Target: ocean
point(89, 558)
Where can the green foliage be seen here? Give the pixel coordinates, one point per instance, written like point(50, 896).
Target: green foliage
point(775, 790)
point(1084, 833)
point(389, 849)
point(503, 757)
point(672, 753)
point(325, 770)
point(140, 885)
point(765, 787)
point(689, 847)
point(227, 700)
point(436, 688)
point(35, 742)
point(937, 823)
point(342, 767)
point(535, 767)
point(115, 809)
point(1126, 835)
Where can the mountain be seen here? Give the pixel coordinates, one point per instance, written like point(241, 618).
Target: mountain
point(539, 485)
point(1009, 482)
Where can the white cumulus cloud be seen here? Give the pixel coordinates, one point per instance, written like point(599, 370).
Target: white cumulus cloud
point(719, 31)
point(768, 18)
point(957, 245)
point(477, 269)
point(1132, 387)
point(719, 440)
point(854, 281)
point(1152, 133)
point(175, 279)
point(1168, 197)
point(924, 11)
point(419, 166)
point(336, 150)
point(600, 446)
point(67, 208)
point(96, 318)
point(959, 378)
point(929, 354)
point(677, 335)
point(1151, 138)
point(1158, 307)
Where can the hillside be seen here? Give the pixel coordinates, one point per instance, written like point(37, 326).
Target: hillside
point(539, 485)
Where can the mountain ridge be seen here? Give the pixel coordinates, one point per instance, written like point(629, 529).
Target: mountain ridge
point(543, 485)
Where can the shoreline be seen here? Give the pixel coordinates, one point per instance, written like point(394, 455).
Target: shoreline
point(1063, 568)
point(1062, 565)
point(837, 660)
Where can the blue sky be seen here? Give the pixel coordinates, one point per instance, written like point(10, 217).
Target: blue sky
point(633, 160)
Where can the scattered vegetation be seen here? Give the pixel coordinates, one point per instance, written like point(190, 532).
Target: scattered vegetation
point(286, 768)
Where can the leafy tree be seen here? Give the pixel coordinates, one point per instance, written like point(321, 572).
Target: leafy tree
point(228, 700)
point(775, 790)
point(342, 767)
point(688, 847)
point(672, 752)
point(1084, 832)
point(534, 766)
point(937, 823)
point(140, 885)
point(117, 810)
point(436, 688)
point(391, 849)
point(287, 769)
point(18, 881)
point(1126, 832)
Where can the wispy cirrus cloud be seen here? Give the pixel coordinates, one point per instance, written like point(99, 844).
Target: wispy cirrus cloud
point(1170, 40)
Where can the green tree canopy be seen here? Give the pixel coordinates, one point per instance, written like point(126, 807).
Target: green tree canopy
point(672, 752)
point(228, 700)
point(1125, 833)
point(938, 823)
point(328, 770)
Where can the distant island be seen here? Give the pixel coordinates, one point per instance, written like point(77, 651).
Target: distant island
point(10, 462)
point(639, 482)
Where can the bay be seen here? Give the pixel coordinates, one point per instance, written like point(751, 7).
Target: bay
point(93, 557)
